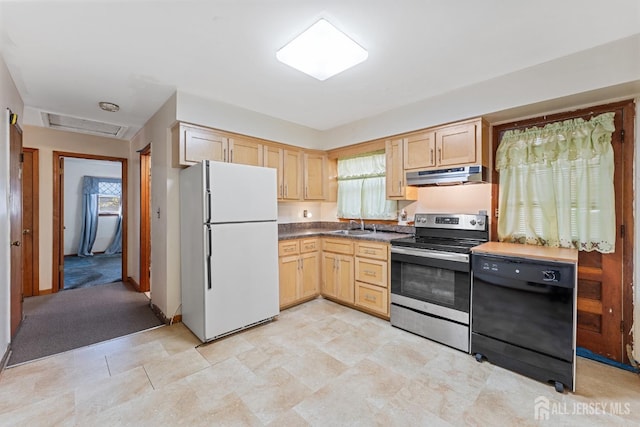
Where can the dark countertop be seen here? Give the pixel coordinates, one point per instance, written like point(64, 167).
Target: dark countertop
point(385, 235)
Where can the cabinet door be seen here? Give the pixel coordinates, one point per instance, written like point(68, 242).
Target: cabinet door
point(289, 270)
point(420, 150)
point(329, 268)
point(245, 151)
point(372, 297)
point(457, 145)
point(310, 280)
point(292, 175)
point(314, 176)
point(372, 271)
point(273, 158)
point(204, 145)
point(344, 279)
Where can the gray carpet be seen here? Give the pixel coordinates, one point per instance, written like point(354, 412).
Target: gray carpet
point(75, 318)
point(82, 272)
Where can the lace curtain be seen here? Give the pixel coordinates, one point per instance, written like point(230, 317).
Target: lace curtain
point(556, 185)
point(362, 188)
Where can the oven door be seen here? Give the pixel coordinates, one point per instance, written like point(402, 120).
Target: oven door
point(433, 282)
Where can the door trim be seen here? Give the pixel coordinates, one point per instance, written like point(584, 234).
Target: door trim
point(57, 275)
point(628, 123)
point(145, 218)
point(35, 231)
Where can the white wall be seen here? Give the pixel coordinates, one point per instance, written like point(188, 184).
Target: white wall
point(194, 109)
point(47, 141)
point(9, 99)
point(588, 77)
point(74, 171)
point(165, 223)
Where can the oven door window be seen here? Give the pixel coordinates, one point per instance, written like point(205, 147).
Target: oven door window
point(431, 281)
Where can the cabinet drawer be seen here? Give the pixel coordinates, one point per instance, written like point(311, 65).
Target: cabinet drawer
point(372, 250)
point(288, 247)
point(309, 245)
point(371, 271)
point(372, 297)
point(339, 246)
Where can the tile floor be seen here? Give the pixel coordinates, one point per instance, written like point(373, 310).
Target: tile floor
point(318, 364)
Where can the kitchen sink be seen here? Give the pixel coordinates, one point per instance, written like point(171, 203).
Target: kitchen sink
point(353, 232)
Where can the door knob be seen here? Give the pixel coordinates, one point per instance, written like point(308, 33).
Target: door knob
point(16, 243)
point(26, 231)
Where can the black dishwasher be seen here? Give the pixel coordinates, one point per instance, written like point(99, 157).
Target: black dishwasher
point(523, 316)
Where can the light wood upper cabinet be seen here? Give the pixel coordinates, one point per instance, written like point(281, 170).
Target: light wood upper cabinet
point(458, 145)
point(292, 175)
point(395, 179)
point(245, 151)
point(193, 144)
point(419, 150)
point(273, 158)
point(315, 167)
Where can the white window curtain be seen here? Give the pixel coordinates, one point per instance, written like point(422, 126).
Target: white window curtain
point(556, 185)
point(362, 188)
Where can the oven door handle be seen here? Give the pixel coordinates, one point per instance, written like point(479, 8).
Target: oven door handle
point(427, 253)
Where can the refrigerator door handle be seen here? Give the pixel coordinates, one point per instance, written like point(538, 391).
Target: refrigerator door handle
point(208, 196)
point(209, 238)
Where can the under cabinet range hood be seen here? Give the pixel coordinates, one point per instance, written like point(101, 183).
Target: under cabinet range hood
point(449, 176)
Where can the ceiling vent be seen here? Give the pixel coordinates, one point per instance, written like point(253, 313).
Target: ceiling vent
point(74, 124)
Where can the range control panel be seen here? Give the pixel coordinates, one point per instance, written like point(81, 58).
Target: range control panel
point(452, 221)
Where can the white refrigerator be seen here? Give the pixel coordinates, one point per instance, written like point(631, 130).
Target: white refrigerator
point(228, 247)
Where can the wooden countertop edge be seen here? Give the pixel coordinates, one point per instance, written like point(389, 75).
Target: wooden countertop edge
point(528, 251)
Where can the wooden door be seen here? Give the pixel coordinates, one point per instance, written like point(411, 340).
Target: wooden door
point(273, 158)
point(314, 176)
point(310, 274)
point(30, 217)
point(245, 151)
point(204, 145)
point(329, 268)
point(15, 219)
point(395, 172)
point(289, 272)
point(456, 145)
point(292, 174)
point(605, 293)
point(419, 150)
point(145, 219)
point(345, 279)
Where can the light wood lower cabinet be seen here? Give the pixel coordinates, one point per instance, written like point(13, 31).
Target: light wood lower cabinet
point(372, 277)
point(338, 269)
point(299, 269)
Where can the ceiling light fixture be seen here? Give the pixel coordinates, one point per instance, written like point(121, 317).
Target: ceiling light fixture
point(109, 106)
point(322, 51)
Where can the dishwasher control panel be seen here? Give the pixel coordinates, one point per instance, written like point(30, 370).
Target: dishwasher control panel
point(534, 271)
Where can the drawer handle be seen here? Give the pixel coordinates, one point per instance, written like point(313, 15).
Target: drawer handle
point(369, 252)
point(289, 249)
point(370, 273)
point(370, 298)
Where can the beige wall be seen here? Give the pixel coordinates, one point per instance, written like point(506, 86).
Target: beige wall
point(47, 141)
point(165, 209)
point(9, 100)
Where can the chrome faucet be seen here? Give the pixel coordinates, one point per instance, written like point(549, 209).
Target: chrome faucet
point(355, 222)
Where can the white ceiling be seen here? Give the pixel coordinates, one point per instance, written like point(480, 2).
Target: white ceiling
point(66, 56)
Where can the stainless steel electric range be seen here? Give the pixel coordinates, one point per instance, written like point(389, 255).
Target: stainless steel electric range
point(431, 277)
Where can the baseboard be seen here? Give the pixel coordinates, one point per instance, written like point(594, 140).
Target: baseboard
point(176, 319)
point(5, 359)
point(45, 292)
point(133, 282)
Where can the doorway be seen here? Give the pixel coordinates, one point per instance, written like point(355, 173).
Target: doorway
point(145, 219)
point(98, 205)
point(30, 222)
point(605, 293)
point(15, 220)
